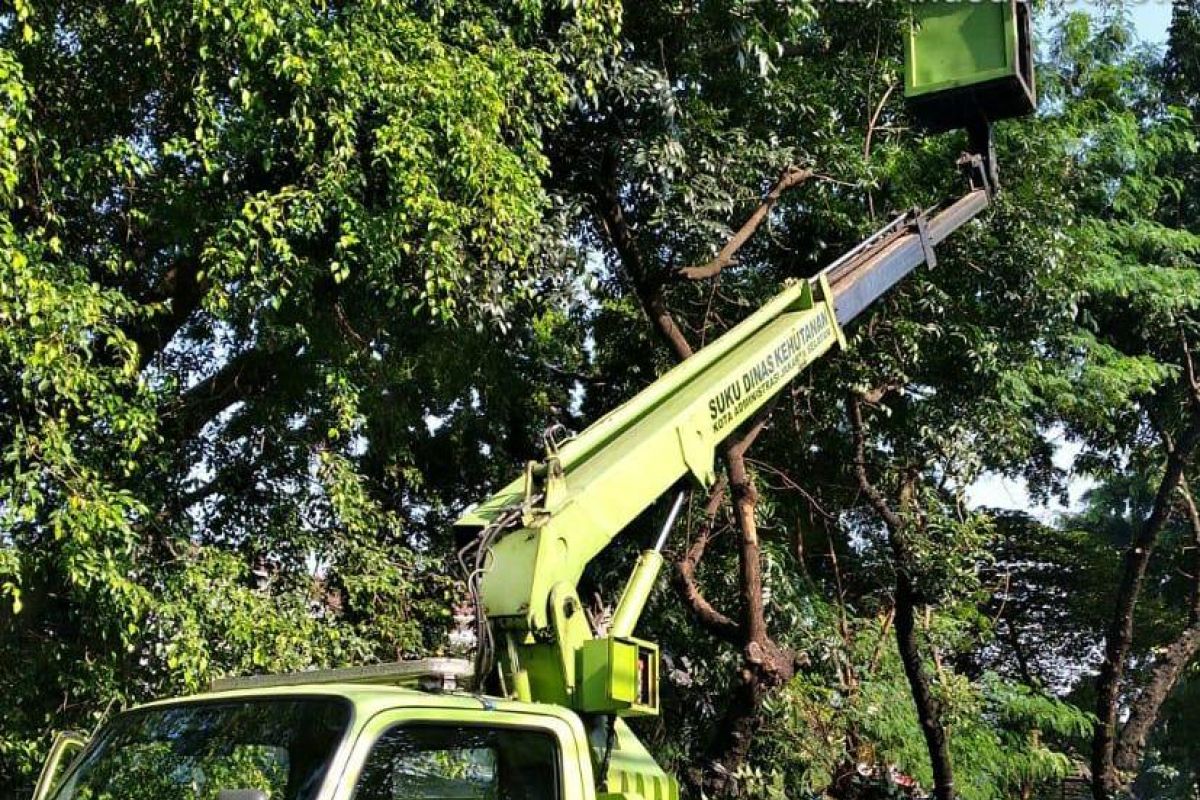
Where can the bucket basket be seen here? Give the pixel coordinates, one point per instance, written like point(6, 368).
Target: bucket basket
point(969, 62)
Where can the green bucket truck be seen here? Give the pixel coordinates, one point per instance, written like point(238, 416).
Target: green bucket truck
point(541, 713)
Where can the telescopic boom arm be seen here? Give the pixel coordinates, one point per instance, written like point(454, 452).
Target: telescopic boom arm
point(535, 537)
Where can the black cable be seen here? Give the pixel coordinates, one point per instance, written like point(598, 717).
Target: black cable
point(609, 742)
point(479, 549)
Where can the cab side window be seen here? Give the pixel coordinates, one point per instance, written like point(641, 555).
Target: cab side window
point(447, 762)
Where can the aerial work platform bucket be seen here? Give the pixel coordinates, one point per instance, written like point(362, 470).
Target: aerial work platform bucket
point(968, 63)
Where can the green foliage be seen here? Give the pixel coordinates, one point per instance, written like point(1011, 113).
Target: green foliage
point(285, 284)
point(249, 249)
point(1005, 736)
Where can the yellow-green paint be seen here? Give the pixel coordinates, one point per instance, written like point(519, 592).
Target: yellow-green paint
point(969, 64)
point(637, 592)
point(575, 763)
point(618, 676)
point(63, 750)
point(378, 708)
point(954, 44)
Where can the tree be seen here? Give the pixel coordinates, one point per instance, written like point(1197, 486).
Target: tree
point(287, 284)
point(248, 249)
point(1138, 304)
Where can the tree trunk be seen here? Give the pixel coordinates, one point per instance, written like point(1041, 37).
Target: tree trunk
point(929, 711)
point(715, 777)
point(745, 504)
point(1143, 717)
point(1131, 745)
point(1105, 780)
point(765, 665)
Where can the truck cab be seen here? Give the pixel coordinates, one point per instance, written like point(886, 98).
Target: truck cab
point(335, 737)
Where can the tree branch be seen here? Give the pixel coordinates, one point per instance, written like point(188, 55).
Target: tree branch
point(765, 665)
point(875, 119)
point(1144, 711)
point(877, 652)
point(1189, 367)
point(1193, 515)
point(792, 177)
point(647, 288)
point(709, 617)
point(846, 661)
point(247, 374)
point(228, 481)
point(182, 290)
point(859, 438)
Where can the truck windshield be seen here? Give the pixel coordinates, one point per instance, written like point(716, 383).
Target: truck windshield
point(280, 748)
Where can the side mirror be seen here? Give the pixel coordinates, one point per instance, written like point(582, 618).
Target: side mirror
point(66, 745)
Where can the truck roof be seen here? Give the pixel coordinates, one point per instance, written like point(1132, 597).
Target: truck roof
point(369, 699)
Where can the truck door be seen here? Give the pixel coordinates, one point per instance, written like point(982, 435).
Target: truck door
point(65, 747)
point(445, 754)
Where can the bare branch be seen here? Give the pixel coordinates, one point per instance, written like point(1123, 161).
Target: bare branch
point(874, 397)
point(790, 483)
point(1189, 366)
point(792, 177)
point(1193, 515)
point(928, 706)
point(875, 119)
point(647, 289)
point(877, 652)
point(745, 502)
point(850, 678)
point(249, 373)
point(874, 496)
point(180, 290)
point(685, 576)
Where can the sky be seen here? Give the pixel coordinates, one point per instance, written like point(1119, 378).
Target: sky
point(1152, 18)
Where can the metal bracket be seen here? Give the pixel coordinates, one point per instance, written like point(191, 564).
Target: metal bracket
point(921, 225)
point(531, 485)
point(696, 445)
point(544, 485)
point(555, 436)
point(545, 489)
point(975, 171)
point(979, 162)
point(828, 301)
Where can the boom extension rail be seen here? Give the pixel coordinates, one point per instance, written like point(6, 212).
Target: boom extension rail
point(859, 281)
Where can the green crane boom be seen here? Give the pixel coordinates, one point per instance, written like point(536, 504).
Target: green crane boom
point(545, 527)
point(533, 539)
